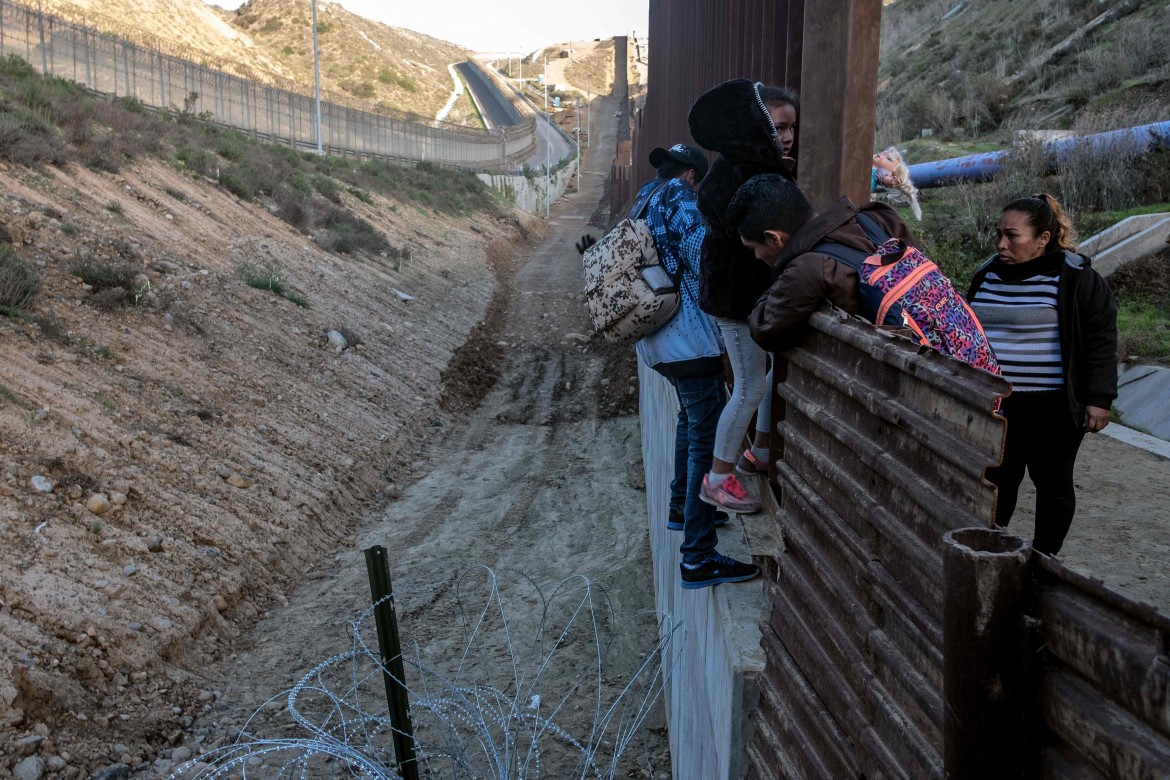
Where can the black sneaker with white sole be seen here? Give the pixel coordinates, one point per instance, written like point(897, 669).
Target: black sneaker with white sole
point(716, 568)
point(674, 521)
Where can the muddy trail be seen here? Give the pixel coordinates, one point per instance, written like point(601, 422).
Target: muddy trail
point(534, 470)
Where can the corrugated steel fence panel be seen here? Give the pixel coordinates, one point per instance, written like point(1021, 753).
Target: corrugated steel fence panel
point(881, 451)
point(698, 44)
point(621, 84)
point(1104, 680)
point(881, 447)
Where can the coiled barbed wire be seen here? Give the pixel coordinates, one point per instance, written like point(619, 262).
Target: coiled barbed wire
point(514, 704)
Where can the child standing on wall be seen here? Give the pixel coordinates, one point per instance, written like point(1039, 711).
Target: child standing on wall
point(753, 128)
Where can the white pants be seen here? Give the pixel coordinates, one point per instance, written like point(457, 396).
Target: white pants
point(751, 393)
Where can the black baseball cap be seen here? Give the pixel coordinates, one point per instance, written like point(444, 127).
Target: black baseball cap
point(683, 153)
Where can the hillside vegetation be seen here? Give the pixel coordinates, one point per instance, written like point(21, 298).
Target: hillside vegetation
point(992, 74)
point(214, 356)
point(969, 68)
point(361, 60)
point(391, 67)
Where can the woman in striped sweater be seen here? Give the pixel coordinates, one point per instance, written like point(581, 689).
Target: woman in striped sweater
point(1052, 322)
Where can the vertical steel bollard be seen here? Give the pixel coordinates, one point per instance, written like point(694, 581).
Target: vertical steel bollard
point(41, 27)
point(984, 708)
point(393, 675)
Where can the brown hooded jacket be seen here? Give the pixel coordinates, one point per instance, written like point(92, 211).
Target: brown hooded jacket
point(806, 278)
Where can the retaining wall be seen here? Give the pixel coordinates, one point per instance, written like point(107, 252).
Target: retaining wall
point(529, 194)
point(713, 689)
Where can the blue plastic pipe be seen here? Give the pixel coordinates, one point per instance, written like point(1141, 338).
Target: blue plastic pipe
point(984, 167)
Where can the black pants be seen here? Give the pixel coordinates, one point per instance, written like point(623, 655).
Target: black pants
point(1041, 438)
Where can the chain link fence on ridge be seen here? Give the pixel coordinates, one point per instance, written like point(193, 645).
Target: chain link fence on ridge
point(115, 66)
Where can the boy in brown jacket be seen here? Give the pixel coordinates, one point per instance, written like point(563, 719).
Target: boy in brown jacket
point(776, 221)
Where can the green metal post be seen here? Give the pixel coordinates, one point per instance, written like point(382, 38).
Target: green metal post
point(397, 699)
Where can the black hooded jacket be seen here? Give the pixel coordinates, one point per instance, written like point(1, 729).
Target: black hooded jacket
point(1086, 314)
point(727, 120)
point(731, 279)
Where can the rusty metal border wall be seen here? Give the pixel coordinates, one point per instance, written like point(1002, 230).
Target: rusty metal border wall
point(621, 84)
point(1102, 682)
point(161, 80)
point(697, 44)
point(881, 448)
point(880, 451)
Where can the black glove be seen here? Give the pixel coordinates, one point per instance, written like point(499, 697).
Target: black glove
point(586, 241)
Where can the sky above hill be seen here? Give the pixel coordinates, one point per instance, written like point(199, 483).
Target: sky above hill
point(503, 25)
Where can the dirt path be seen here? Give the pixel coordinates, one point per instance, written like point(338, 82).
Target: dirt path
point(1120, 532)
point(542, 479)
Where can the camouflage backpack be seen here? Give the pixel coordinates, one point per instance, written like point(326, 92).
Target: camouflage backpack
point(628, 292)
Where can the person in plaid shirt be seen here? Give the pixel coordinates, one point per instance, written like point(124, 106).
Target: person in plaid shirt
point(687, 351)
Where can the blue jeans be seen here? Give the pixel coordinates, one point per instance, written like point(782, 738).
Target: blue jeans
point(700, 402)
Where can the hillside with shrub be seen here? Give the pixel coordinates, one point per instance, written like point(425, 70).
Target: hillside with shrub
point(390, 67)
point(960, 77)
point(215, 355)
point(971, 68)
point(361, 60)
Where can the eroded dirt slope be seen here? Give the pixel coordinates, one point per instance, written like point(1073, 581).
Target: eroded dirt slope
point(235, 447)
point(534, 470)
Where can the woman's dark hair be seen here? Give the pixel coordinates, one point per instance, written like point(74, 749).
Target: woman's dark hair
point(780, 95)
point(765, 202)
point(1044, 212)
point(671, 168)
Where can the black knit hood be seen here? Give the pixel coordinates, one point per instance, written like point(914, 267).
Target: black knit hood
point(731, 119)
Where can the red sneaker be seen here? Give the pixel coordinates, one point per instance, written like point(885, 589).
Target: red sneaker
point(749, 465)
point(729, 495)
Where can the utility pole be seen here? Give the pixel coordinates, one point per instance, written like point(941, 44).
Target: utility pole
point(317, 79)
point(547, 146)
point(578, 118)
point(589, 116)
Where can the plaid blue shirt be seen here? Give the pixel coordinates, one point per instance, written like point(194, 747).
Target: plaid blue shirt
point(678, 230)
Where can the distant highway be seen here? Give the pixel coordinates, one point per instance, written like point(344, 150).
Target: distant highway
point(497, 110)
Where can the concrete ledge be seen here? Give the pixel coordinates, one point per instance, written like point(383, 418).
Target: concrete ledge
point(1143, 400)
point(713, 690)
point(1146, 234)
point(1142, 441)
point(1112, 236)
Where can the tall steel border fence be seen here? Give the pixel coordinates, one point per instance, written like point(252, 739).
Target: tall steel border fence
point(906, 636)
point(116, 66)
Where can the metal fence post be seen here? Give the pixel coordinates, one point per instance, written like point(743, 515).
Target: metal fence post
point(397, 699)
point(41, 28)
point(986, 581)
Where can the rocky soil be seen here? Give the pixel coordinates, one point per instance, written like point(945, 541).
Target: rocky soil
point(171, 470)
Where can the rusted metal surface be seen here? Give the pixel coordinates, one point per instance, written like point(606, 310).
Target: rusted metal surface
point(621, 84)
point(882, 447)
point(1104, 688)
point(883, 450)
point(701, 43)
point(838, 117)
point(984, 692)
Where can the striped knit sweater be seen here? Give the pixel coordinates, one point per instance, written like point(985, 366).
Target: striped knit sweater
point(1016, 303)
